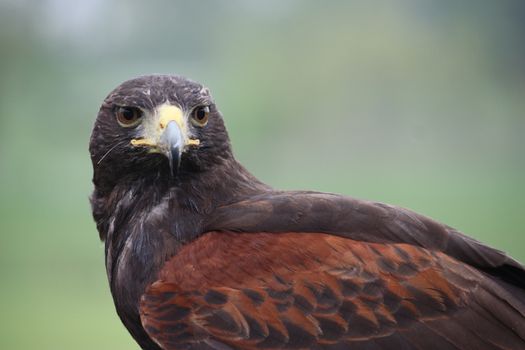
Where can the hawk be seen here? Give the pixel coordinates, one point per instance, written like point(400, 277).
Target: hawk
point(200, 254)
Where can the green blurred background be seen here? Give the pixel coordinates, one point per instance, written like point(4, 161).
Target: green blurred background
point(415, 103)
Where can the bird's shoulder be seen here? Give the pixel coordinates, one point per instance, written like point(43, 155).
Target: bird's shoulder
point(360, 220)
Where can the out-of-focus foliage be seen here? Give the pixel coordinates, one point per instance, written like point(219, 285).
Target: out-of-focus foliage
point(415, 103)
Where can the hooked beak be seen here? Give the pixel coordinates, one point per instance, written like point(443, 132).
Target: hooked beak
point(166, 133)
point(171, 144)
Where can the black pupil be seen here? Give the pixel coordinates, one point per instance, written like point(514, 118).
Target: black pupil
point(201, 113)
point(128, 114)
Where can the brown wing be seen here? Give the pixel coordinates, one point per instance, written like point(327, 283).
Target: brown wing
point(318, 291)
point(361, 221)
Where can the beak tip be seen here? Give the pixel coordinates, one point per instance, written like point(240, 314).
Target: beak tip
point(174, 156)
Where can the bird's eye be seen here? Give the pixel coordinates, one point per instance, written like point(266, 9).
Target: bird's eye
point(128, 116)
point(199, 116)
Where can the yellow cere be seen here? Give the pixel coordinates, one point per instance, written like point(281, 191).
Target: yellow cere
point(167, 113)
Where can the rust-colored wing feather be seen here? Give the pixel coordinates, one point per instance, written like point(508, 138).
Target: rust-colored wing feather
point(318, 291)
point(360, 220)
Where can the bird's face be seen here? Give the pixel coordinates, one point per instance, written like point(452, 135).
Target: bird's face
point(165, 130)
point(160, 123)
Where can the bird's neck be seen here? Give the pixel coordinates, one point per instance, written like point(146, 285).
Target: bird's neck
point(191, 193)
point(202, 192)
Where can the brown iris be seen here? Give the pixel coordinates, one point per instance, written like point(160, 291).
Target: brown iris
point(128, 116)
point(199, 116)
